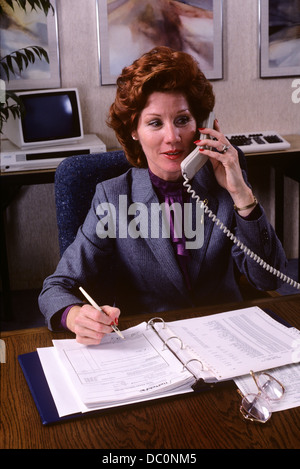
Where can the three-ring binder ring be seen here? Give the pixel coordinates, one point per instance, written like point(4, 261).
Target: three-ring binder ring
point(150, 323)
point(191, 360)
point(172, 337)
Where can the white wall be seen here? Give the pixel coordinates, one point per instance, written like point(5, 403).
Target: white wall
point(244, 102)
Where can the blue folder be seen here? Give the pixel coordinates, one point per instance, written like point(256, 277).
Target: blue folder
point(38, 385)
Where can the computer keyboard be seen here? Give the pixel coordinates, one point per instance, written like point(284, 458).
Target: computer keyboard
point(257, 142)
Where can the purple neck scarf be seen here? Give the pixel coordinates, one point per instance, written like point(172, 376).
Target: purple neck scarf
point(171, 192)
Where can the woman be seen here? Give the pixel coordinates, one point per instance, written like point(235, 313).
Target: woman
point(120, 256)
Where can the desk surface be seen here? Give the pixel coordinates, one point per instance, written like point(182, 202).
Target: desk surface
point(206, 420)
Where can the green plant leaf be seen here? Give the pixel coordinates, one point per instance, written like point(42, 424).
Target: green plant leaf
point(22, 58)
point(44, 5)
point(12, 106)
point(17, 61)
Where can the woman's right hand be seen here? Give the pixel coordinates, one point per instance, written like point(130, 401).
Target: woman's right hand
point(91, 325)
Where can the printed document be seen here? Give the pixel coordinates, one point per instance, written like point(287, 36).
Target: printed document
point(116, 372)
point(233, 343)
point(160, 359)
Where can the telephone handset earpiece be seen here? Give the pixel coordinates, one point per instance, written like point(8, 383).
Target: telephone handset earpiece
point(195, 160)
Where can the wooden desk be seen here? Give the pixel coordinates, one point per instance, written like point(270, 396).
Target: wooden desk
point(205, 420)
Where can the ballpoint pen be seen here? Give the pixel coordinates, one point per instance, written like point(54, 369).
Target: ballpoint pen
point(94, 304)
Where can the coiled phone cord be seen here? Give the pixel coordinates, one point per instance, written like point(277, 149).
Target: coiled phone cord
point(236, 241)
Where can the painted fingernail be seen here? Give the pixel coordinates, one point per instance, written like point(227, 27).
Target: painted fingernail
point(197, 141)
point(201, 149)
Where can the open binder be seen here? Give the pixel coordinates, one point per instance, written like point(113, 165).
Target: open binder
point(155, 360)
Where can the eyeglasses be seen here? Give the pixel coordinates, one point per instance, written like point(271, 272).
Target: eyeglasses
point(256, 407)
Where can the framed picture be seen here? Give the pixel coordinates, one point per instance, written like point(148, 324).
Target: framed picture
point(129, 28)
point(32, 28)
point(279, 38)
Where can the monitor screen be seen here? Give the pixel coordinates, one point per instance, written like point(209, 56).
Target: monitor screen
point(48, 117)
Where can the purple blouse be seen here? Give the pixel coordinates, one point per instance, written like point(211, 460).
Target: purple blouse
point(171, 192)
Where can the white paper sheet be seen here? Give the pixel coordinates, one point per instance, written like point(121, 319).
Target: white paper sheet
point(80, 377)
point(67, 403)
point(120, 370)
point(233, 343)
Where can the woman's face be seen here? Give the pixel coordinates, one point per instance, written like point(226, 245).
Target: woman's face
point(166, 130)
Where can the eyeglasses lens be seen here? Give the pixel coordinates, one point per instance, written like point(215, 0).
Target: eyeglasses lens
point(256, 407)
point(270, 387)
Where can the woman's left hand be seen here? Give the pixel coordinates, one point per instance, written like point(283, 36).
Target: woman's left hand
point(225, 162)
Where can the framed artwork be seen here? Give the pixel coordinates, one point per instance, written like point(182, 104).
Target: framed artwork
point(279, 38)
point(129, 28)
point(21, 29)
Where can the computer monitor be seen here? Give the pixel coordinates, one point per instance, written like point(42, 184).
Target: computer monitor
point(49, 117)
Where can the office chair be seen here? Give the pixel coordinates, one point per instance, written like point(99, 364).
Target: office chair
point(76, 178)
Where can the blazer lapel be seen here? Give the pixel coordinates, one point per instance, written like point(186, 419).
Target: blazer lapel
point(203, 185)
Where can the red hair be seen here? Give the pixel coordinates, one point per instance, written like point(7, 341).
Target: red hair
point(161, 69)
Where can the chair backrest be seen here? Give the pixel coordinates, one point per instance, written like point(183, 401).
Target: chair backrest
point(76, 178)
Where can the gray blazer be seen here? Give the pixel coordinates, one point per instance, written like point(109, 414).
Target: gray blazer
point(142, 274)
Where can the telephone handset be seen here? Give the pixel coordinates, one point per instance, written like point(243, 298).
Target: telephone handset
point(195, 160)
point(189, 167)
